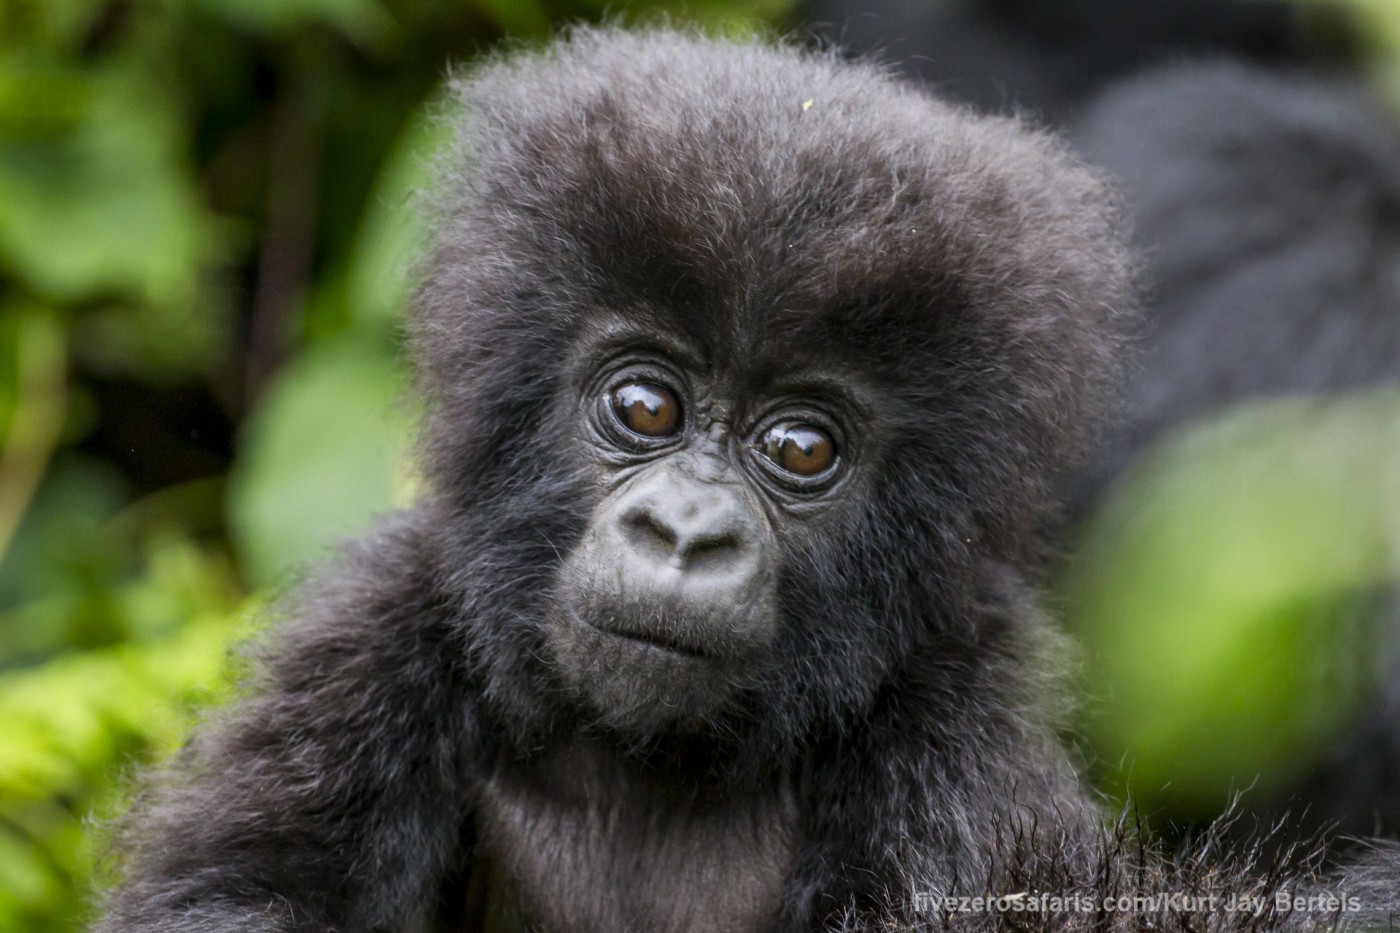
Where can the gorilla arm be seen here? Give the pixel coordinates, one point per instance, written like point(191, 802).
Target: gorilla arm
point(333, 798)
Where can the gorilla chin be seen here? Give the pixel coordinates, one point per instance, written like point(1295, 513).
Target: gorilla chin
point(641, 668)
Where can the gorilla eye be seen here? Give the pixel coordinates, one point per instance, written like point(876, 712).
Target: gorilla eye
point(800, 449)
point(647, 409)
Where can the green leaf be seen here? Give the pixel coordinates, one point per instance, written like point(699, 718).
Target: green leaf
point(104, 211)
point(364, 20)
point(392, 235)
point(70, 728)
point(323, 453)
point(109, 206)
point(517, 17)
point(1226, 590)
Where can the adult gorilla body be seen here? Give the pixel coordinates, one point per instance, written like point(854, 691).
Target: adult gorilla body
point(751, 374)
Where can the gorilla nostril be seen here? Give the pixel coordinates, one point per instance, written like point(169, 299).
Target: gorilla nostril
point(694, 546)
point(711, 550)
point(649, 534)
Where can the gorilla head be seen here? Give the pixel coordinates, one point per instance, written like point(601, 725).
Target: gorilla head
point(753, 367)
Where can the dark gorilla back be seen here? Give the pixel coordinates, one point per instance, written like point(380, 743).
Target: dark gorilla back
point(1269, 209)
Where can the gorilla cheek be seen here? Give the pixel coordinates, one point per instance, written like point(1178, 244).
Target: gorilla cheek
point(666, 606)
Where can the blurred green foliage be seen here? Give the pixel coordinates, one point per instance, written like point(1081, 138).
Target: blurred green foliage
point(68, 727)
point(1375, 28)
point(1227, 592)
point(206, 237)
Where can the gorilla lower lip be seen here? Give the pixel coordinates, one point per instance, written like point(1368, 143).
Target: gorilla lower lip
point(652, 640)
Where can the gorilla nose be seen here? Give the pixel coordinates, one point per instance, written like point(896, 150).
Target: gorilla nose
point(686, 542)
point(703, 531)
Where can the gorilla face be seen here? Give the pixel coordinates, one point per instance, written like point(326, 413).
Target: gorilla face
point(669, 601)
point(738, 395)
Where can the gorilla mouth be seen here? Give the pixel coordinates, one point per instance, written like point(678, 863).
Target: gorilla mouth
point(654, 640)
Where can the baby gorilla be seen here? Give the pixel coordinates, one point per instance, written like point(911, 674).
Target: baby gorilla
point(750, 375)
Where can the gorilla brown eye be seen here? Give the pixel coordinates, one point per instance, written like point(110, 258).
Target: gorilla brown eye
point(647, 409)
point(800, 449)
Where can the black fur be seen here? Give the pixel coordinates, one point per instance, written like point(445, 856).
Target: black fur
point(1269, 209)
point(1050, 56)
point(416, 754)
